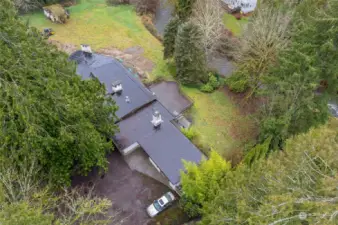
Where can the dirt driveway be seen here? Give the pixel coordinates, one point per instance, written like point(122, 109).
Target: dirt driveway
point(130, 191)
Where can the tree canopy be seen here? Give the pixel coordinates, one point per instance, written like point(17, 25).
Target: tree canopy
point(296, 186)
point(305, 77)
point(47, 111)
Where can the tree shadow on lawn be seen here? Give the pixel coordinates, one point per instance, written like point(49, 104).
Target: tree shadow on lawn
point(243, 128)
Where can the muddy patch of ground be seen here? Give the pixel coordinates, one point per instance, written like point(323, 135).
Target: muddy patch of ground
point(131, 58)
point(131, 193)
point(67, 48)
point(247, 106)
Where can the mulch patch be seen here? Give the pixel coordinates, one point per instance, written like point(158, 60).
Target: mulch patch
point(246, 105)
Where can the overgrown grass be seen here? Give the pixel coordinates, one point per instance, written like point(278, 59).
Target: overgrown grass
point(234, 25)
point(217, 121)
point(93, 22)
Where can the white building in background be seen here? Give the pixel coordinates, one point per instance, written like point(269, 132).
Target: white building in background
point(245, 5)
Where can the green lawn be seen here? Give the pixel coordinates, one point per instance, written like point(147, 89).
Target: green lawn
point(234, 25)
point(94, 23)
point(218, 121)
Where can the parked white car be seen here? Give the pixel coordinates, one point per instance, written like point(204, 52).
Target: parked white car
point(160, 204)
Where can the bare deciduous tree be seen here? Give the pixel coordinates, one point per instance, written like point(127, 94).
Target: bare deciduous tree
point(79, 205)
point(265, 36)
point(207, 15)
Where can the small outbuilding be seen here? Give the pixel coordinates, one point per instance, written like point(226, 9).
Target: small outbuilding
point(56, 13)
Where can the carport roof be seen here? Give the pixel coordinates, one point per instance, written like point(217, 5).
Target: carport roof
point(166, 146)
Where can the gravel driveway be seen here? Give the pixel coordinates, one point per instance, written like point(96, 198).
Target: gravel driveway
point(130, 191)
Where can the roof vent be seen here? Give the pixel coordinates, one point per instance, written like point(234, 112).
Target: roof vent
point(116, 87)
point(157, 119)
point(127, 99)
point(86, 49)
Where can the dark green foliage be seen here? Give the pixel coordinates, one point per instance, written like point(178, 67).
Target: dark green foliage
point(169, 37)
point(184, 9)
point(302, 178)
point(47, 111)
point(189, 55)
point(294, 106)
point(237, 82)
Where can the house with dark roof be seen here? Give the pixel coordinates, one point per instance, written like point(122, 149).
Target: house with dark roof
point(145, 123)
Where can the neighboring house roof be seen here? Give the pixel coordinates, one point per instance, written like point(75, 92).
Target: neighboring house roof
point(246, 5)
point(166, 146)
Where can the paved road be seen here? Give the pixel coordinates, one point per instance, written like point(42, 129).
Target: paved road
point(130, 191)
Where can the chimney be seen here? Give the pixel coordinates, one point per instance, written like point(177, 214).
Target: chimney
point(157, 119)
point(116, 87)
point(87, 50)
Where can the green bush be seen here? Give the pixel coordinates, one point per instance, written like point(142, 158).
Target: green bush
point(213, 84)
point(190, 133)
point(237, 83)
point(207, 88)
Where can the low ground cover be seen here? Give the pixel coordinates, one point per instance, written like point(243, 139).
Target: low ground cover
point(234, 25)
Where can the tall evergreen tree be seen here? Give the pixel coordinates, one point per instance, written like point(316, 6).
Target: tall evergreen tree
point(189, 55)
point(184, 9)
point(294, 103)
point(47, 111)
point(169, 37)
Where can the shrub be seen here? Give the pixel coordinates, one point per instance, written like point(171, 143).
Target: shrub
point(213, 84)
point(146, 6)
point(207, 88)
point(27, 5)
point(117, 2)
point(189, 55)
point(190, 133)
point(237, 83)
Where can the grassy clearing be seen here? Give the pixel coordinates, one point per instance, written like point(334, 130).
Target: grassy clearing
point(93, 22)
point(218, 121)
point(234, 25)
